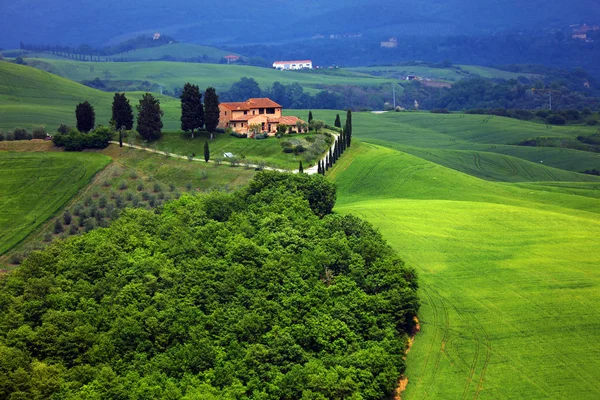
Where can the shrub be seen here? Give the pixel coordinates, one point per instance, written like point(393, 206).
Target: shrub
point(542, 113)
point(133, 175)
point(299, 149)
point(89, 224)
point(171, 187)
point(239, 135)
point(64, 129)
point(102, 201)
point(47, 237)
point(440, 111)
point(288, 150)
point(592, 122)
point(123, 185)
point(156, 187)
point(58, 226)
point(39, 132)
point(73, 229)
point(140, 186)
point(67, 218)
point(20, 134)
point(556, 119)
point(261, 136)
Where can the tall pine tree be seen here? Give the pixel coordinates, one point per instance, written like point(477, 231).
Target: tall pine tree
point(206, 151)
point(122, 113)
point(86, 117)
point(211, 110)
point(192, 111)
point(149, 118)
point(310, 117)
point(300, 168)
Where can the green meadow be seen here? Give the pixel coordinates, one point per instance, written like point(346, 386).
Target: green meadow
point(506, 251)
point(35, 186)
point(30, 97)
point(175, 74)
point(179, 51)
point(450, 74)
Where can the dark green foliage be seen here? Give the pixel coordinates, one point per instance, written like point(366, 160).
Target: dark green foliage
point(206, 152)
point(58, 226)
point(122, 113)
point(225, 296)
point(556, 119)
point(39, 132)
point(348, 128)
point(67, 217)
point(211, 109)
point(20, 134)
point(310, 117)
point(337, 123)
point(243, 89)
point(149, 118)
point(86, 117)
point(192, 111)
point(300, 168)
point(77, 141)
point(64, 129)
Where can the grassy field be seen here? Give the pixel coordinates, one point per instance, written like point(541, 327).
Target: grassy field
point(178, 51)
point(175, 74)
point(34, 186)
point(477, 144)
point(451, 74)
point(134, 178)
point(509, 274)
point(30, 97)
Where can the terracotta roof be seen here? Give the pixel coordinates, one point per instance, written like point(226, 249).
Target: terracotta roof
point(289, 120)
point(293, 62)
point(251, 103)
point(231, 57)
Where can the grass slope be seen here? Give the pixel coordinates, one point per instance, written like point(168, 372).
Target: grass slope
point(176, 74)
point(477, 144)
point(30, 97)
point(34, 186)
point(179, 51)
point(509, 277)
point(451, 74)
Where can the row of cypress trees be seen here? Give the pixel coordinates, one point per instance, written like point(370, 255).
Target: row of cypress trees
point(342, 142)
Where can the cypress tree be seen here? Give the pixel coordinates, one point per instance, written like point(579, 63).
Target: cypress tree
point(211, 110)
point(348, 128)
point(310, 117)
point(206, 151)
point(338, 123)
point(329, 158)
point(319, 167)
point(149, 122)
point(86, 117)
point(122, 113)
point(192, 111)
point(300, 169)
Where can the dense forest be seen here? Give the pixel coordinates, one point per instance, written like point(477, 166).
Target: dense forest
point(263, 293)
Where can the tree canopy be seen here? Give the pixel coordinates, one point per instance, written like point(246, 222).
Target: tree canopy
point(122, 112)
point(192, 110)
point(149, 118)
point(86, 117)
point(222, 296)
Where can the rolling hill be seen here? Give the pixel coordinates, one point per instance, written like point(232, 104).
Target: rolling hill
point(31, 97)
point(508, 278)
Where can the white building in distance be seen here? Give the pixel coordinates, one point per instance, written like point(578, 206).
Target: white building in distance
point(298, 64)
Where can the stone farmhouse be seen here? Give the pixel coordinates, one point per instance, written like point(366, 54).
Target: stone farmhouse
point(257, 114)
point(298, 64)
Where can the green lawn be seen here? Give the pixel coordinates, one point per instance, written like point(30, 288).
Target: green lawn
point(509, 275)
point(179, 51)
point(34, 186)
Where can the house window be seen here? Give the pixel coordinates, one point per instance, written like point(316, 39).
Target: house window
point(253, 112)
point(261, 111)
point(270, 111)
point(235, 124)
point(245, 112)
point(225, 112)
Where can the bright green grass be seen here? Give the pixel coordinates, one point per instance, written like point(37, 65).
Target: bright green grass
point(175, 74)
point(267, 150)
point(176, 50)
point(509, 275)
point(30, 97)
point(36, 185)
point(477, 144)
point(451, 74)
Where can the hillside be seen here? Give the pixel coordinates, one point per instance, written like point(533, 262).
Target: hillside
point(173, 75)
point(34, 186)
point(174, 52)
point(30, 97)
point(509, 283)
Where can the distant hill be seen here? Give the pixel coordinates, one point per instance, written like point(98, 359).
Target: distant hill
point(175, 52)
point(30, 97)
point(201, 22)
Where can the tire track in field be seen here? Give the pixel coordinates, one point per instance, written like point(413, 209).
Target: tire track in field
point(441, 312)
